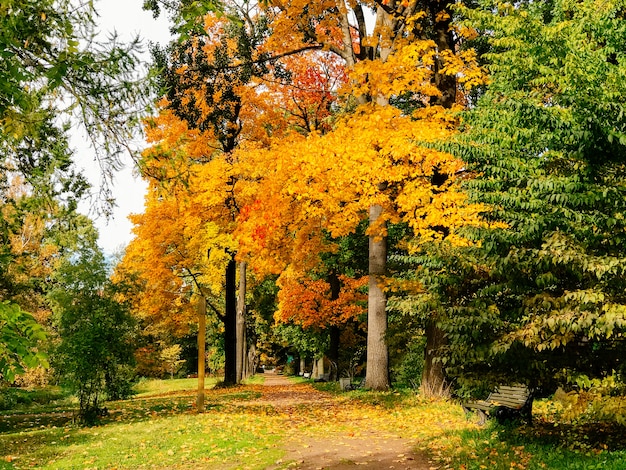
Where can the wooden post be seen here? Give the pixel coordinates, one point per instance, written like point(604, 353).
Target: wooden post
point(201, 352)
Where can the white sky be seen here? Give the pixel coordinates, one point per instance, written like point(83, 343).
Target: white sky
point(129, 20)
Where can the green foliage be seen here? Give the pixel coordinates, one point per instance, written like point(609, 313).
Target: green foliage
point(53, 70)
point(20, 335)
point(548, 143)
point(409, 369)
point(95, 329)
point(304, 340)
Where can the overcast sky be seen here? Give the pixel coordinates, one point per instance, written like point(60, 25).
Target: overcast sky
point(129, 20)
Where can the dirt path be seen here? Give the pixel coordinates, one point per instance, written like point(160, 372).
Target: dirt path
point(338, 439)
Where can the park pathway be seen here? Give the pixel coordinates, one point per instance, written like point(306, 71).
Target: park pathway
point(334, 437)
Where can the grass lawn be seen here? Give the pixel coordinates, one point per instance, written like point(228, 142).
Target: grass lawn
point(159, 428)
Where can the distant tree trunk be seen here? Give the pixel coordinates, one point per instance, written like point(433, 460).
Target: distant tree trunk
point(201, 352)
point(335, 331)
point(434, 377)
point(241, 325)
point(333, 351)
point(320, 367)
point(251, 362)
point(377, 372)
point(230, 324)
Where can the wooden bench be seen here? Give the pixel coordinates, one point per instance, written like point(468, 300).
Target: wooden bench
point(504, 403)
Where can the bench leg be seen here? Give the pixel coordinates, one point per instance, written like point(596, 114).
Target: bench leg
point(482, 417)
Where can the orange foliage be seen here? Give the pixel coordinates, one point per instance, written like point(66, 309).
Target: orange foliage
point(307, 302)
point(326, 183)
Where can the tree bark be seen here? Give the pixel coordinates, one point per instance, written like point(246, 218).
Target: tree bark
point(334, 330)
point(377, 372)
point(434, 377)
point(443, 37)
point(320, 367)
point(241, 324)
point(230, 324)
point(201, 352)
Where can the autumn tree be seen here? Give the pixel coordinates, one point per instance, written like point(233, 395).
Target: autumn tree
point(225, 92)
point(545, 302)
point(409, 51)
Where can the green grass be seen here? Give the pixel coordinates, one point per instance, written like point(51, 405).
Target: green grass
point(150, 387)
point(210, 440)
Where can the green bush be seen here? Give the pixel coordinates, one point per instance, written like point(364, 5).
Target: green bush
point(13, 397)
point(408, 372)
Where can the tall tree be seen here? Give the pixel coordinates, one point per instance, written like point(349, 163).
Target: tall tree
point(549, 138)
point(94, 327)
point(409, 36)
point(53, 72)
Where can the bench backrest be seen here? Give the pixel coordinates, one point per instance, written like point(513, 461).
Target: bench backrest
point(511, 396)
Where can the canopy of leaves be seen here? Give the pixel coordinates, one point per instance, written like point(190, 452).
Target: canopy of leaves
point(546, 294)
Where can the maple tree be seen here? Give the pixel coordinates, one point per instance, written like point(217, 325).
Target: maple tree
point(218, 102)
point(331, 181)
point(281, 194)
point(390, 60)
point(208, 111)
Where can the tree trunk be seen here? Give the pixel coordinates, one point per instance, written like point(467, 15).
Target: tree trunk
point(443, 37)
point(320, 367)
point(377, 373)
point(230, 324)
point(333, 351)
point(241, 324)
point(434, 378)
point(335, 331)
point(201, 352)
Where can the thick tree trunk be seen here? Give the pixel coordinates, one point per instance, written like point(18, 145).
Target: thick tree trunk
point(230, 324)
point(377, 373)
point(241, 324)
point(201, 352)
point(443, 37)
point(434, 377)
